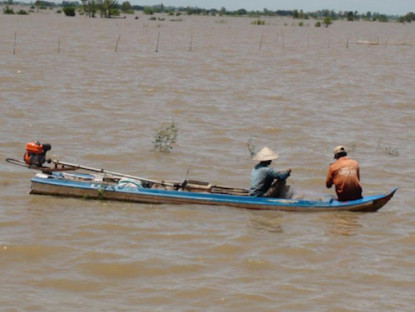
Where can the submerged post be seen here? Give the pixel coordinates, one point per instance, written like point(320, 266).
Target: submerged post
point(14, 44)
point(191, 42)
point(283, 41)
point(118, 40)
point(157, 44)
point(260, 41)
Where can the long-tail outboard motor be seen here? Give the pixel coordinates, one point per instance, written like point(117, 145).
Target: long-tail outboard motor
point(36, 153)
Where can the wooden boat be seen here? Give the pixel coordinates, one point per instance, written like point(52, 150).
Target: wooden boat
point(71, 180)
point(95, 187)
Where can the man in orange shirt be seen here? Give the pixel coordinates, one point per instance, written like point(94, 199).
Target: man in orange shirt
point(344, 174)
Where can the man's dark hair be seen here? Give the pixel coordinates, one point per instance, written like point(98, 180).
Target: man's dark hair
point(341, 154)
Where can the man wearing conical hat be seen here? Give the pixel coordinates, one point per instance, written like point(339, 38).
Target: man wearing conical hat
point(344, 175)
point(266, 181)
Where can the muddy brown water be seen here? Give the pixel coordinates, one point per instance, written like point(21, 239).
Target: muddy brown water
point(225, 83)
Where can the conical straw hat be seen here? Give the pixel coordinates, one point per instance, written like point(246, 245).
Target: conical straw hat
point(265, 154)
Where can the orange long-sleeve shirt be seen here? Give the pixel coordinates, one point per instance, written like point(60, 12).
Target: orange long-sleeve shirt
point(344, 174)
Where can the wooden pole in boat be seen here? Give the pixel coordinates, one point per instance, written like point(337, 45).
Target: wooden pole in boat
point(76, 166)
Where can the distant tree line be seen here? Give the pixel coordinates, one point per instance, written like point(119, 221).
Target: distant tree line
point(109, 8)
point(10, 11)
point(407, 18)
point(105, 8)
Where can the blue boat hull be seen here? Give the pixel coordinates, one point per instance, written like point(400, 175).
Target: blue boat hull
point(59, 186)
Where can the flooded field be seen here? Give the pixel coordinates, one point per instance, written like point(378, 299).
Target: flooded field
point(98, 90)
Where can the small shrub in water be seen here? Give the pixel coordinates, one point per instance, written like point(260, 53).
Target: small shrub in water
point(327, 22)
point(258, 22)
point(8, 10)
point(251, 147)
point(69, 11)
point(388, 150)
point(165, 138)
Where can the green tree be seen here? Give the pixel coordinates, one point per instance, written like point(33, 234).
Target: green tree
point(296, 14)
point(350, 16)
point(90, 7)
point(126, 7)
point(407, 18)
point(148, 11)
point(108, 8)
point(381, 18)
point(241, 12)
point(303, 15)
point(367, 16)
